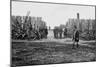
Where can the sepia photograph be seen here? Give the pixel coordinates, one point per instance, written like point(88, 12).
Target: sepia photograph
point(44, 33)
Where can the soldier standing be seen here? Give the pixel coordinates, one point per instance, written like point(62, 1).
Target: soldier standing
point(54, 31)
point(60, 32)
point(65, 32)
point(46, 32)
point(75, 37)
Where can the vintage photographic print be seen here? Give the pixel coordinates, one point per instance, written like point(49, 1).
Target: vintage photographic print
point(52, 33)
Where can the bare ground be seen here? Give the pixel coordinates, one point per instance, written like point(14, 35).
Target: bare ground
point(38, 53)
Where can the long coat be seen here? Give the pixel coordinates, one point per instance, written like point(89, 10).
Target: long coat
point(76, 36)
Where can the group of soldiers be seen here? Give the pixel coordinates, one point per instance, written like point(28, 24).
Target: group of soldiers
point(59, 32)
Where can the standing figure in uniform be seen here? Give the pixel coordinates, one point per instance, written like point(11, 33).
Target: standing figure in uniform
point(55, 31)
point(60, 32)
point(46, 32)
point(65, 32)
point(75, 37)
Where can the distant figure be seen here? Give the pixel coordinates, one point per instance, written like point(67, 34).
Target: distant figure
point(75, 37)
point(46, 32)
point(60, 32)
point(65, 32)
point(56, 31)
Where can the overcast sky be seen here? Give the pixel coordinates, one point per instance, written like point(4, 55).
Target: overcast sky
point(53, 14)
